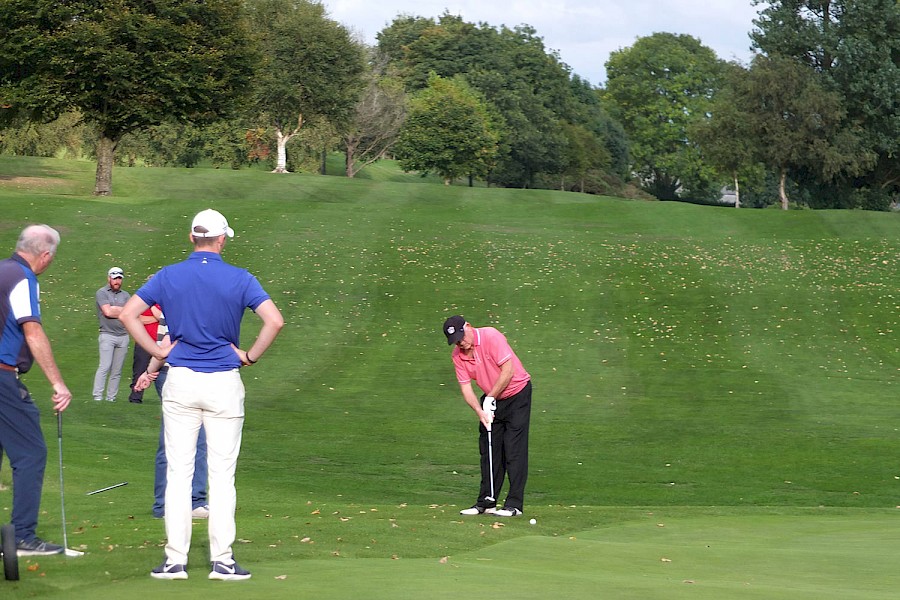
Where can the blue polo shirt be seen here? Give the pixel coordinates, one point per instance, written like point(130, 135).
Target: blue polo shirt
point(204, 299)
point(19, 303)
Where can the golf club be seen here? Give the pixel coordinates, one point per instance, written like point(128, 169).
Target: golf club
point(107, 488)
point(489, 406)
point(62, 494)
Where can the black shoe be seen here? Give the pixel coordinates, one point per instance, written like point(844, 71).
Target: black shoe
point(37, 547)
point(135, 400)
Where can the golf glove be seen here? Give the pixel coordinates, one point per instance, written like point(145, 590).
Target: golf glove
point(489, 405)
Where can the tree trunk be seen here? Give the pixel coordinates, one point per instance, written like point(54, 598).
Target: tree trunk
point(781, 193)
point(323, 167)
point(348, 162)
point(737, 192)
point(106, 151)
point(281, 141)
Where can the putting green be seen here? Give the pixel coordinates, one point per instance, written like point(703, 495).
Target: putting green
point(815, 556)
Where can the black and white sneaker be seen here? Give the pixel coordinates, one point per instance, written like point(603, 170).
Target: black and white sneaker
point(228, 572)
point(478, 510)
point(37, 547)
point(169, 570)
point(507, 511)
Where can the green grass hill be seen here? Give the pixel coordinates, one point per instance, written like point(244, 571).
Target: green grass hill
point(702, 376)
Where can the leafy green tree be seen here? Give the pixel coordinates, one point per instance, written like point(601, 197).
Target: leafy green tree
point(797, 122)
point(657, 88)
point(583, 154)
point(449, 131)
point(725, 138)
point(530, 88)
point(310, 70)
point(123, 64)
point(855, 46)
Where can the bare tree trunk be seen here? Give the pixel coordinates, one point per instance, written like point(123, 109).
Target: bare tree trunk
point(737, 192)
point(782, 194)
point(348, 161)
point(281, 141)
point(106, 151)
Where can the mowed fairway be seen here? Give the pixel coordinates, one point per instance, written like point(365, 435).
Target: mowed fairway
point(716, 400)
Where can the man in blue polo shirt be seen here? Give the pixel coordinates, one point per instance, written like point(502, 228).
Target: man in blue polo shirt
point(23, 341)
point(204, 299)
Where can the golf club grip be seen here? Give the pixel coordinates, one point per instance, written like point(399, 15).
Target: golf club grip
point(59, 424)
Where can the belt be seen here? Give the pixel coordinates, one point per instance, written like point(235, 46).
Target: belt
point(4, 367)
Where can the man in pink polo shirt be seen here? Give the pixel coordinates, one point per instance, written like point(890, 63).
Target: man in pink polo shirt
point(483, 355)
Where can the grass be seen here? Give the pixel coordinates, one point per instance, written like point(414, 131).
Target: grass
point(731, 374)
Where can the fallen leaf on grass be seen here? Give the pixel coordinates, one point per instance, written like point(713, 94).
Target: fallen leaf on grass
point(281, 577)
point(664, 559)
point(444, 560)
point(34, 567)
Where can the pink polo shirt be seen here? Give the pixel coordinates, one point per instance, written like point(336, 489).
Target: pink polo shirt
point(490, 351)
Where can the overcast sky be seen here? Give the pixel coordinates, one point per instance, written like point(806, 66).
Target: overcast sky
point(583, 32)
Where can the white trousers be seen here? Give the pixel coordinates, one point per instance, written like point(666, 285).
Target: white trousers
point(215, 400)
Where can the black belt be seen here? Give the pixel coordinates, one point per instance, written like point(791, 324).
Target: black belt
point(4, 367)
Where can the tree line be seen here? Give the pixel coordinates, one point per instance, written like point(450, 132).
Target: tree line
point(813, 120)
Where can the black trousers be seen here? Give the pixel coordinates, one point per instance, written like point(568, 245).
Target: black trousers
point(509, 441)
point(138, 366)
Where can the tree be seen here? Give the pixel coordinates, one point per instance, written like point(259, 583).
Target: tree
point(449, 131)
point(797, 122)
point(377, 118)
point(725, 138)
point(311, 69)
point(529, 88)
point(123, 64)
point(855, 46)
point(657, 88)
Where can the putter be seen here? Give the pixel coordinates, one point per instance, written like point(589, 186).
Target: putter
point(62, 494)
point(490, 406)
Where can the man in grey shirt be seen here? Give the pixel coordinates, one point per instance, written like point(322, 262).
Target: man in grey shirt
point(113, 336)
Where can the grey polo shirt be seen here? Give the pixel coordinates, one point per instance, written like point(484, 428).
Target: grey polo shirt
point(106, 295)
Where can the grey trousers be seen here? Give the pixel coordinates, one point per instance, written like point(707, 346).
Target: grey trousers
point(113, 350)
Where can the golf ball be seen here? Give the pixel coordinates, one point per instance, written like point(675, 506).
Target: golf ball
point(533, 521)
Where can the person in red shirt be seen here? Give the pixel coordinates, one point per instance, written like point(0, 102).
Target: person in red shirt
point(150, 320)
point(483, 355)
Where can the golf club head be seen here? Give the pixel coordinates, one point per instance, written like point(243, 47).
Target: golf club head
point(70, 552)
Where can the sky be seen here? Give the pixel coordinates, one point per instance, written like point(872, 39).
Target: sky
point(582, 32)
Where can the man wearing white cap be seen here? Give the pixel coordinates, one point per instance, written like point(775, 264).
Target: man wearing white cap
point(204, 299)
point(113, 338)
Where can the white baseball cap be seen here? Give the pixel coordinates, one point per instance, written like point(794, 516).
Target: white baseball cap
point(210, 223)
point(115, 273)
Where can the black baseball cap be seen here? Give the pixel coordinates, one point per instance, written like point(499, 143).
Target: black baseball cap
point(454, 329)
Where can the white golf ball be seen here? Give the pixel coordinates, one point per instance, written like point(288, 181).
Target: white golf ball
point(533, 521)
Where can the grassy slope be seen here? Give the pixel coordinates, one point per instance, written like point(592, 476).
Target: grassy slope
point(682, 355)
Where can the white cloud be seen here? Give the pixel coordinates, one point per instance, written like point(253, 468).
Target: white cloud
point(583, 32)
